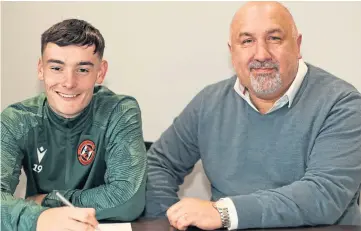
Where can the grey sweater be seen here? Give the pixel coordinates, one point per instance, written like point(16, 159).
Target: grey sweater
point(292, 167)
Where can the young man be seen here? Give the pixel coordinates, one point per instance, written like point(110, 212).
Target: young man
point(280, 141)
point(79, 139)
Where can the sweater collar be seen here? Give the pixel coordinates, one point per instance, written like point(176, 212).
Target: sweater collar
point(63, 123)
point(288, 97)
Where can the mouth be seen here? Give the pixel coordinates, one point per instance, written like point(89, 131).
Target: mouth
point(67, 96)
point(263, 70)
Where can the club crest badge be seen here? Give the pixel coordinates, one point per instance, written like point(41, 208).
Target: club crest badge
point(86, 152)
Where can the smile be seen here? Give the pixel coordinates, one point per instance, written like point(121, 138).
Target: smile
point(263, 70)
point(67, 96)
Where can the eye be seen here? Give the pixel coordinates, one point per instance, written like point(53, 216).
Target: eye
point(275, 38)
point(55, 68)
point(246, 41)
point(83, 70)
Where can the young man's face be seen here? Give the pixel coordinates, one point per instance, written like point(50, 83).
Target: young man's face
point(70, 74)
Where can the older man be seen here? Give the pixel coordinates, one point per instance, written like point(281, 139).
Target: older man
point(280, 141)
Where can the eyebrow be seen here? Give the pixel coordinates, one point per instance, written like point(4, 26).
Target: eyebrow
point(82, 63)
point(274, 31)
point(245, 34)
point(271, 31)
point(55, 61)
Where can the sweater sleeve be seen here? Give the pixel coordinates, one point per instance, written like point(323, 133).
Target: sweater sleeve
point(122, 197)
point(170, 159)
point(330, 184)
point(16, 214)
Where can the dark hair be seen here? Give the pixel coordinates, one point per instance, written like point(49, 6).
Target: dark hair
point(73, 32)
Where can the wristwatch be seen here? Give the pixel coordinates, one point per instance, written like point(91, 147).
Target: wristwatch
point(222, 209)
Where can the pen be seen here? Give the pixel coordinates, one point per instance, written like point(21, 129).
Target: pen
point(66, 202)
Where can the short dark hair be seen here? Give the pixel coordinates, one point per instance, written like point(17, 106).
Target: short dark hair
point(74, 32)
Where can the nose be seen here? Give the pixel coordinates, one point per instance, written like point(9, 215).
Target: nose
point(262, 53)
point(69, 80)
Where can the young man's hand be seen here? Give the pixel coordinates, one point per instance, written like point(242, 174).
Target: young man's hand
point(37, 198)
point(67, 218)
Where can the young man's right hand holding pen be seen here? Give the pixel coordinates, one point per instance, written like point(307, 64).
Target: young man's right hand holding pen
point(67, 218)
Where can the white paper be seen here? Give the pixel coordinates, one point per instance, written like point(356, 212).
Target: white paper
point(115, 227)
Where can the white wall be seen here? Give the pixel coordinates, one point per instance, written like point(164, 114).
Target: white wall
point(163, 53)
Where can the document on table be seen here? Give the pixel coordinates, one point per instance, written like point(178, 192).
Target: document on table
point(115, 227)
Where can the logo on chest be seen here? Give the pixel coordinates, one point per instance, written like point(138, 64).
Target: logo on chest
point(86, 152)
point(40, 153)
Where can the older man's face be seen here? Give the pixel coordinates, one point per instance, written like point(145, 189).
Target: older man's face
point(265, 51)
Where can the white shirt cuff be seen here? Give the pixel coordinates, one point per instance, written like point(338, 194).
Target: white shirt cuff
point(233, 217)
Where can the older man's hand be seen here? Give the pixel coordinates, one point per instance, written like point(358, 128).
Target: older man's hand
point(194, 212)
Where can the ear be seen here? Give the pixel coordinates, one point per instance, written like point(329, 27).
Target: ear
point(299, 41)
point(229, 46)
point(102, 72)
point(40, 70)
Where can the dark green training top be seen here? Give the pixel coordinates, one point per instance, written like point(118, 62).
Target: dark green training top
point(97, 159)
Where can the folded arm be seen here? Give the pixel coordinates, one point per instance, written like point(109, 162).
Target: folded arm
point(16, 213)
point(170, 159)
